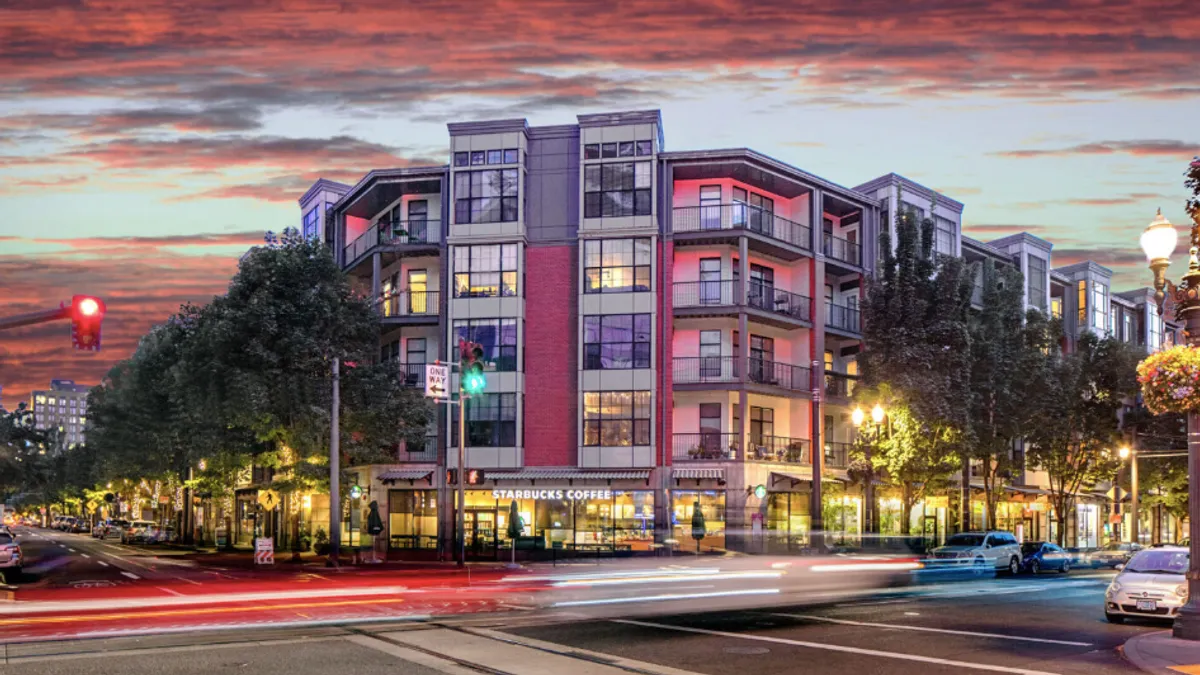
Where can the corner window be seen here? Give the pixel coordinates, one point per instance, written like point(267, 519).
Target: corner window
point(511, 156)
point(1037, 282)
point(616, 418)
point(488, 196)
point(310, 223)
point(485, 271)
point(591, 151)
point(616, 265)
point(645, 148)
point(616, 189)
point(498, 337)
point(462, 159)
point(478, 157)
point(616, 341)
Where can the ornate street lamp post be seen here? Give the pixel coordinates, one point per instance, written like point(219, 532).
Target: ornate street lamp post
point(1158, 242)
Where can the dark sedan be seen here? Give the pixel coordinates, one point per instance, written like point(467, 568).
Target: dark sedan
point(1039, 556)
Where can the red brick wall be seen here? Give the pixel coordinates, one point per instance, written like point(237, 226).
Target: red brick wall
point(666, 329)
point(551, 356)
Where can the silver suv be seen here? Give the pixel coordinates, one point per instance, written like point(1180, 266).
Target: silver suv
point(997, 549)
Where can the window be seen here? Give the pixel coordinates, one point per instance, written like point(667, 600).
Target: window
point(917, 212)
point(710, 418)
point(591, 151)
point(625, 149)
point(762, 424)
point(1037, 283)
point(1127, 328)
point(645, 148)
point(616, 189)
point(616, 265)
point(1114, 323)
point(1056, 307)
point(495, 156)
point(478, 157)
point(762, 286)
point(1082, 297)
point(616, 418)
point(310, 223)
point(462, 159)
point(1155, 333)
point(491, 421)
point(511, 156)
point(616, 341)
point(485, 196)
point(608, 150)
point(1099, 307)
point(943, 236)
point(710, 354)
point(415, 348)
point(710, 208)
point(485, 271)
point(498, 337)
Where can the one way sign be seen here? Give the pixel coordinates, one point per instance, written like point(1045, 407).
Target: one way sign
point(437, 381)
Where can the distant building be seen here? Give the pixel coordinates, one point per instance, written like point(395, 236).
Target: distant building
point(62, 406)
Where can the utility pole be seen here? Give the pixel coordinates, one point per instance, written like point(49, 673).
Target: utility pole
point(460, 475)
point(1133, 479)
point(335, 500)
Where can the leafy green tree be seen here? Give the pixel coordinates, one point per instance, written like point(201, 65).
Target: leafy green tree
point(1162, 481)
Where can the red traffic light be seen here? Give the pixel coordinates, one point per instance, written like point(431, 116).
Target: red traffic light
point(86, 306)
point(87, 314)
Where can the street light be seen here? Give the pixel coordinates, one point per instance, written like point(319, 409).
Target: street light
point(857, 417)
point(1123, 453)
point(1158, 243)
point(877, 414)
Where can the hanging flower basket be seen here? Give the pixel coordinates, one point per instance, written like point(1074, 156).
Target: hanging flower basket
point(1170, 380)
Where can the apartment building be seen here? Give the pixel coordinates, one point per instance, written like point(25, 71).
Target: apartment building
point(64, 407)
point(665, 331)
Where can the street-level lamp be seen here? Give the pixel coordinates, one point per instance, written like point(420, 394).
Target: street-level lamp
point(857, 417)
point(1127, 453)
point(1158, 242)
point(877, 414)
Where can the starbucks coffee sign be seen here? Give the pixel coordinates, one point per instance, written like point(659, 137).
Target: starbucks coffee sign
point(551, 494)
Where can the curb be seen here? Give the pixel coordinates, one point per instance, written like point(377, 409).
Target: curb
point(1134, 651)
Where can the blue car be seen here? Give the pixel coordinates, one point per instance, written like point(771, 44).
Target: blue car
point(1039, 556)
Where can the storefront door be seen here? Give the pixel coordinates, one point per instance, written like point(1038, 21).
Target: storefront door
point(480, 527)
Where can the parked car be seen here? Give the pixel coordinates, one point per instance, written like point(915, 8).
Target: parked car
point(81, 526)
point(1037, 556)
point(998, 550)
point(10, 555)
point(1151, 585)
point(146, 534)
point(1112, 554)
point(134, 532)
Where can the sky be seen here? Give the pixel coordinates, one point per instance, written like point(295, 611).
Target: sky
point(145, 144)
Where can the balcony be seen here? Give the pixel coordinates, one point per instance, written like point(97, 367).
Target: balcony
point(776, 374)
point(728, 370)
point(842, 318)
point(768, 232)
point(768, 304)
point(413, 374)
point(780, 449)
point(393, 234)
point(410, 307)
point(837, 454)
point(843, 250)
point(426, 452)
point(705, 447)
point(706, 369)
point(839, 385)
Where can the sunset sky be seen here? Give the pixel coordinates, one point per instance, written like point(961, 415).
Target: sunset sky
point(144, 144)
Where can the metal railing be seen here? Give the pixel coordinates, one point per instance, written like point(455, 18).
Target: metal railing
point(705, 446)
point(837, 454)
point(843, 249)
point(704, 293)
point(413, 374)
point(844, 318)
point(778, 449)
point(779, 301)
point(418, 231)
point(785, 375)
point(839, 385)
point(702, 369)
point(409, 303)
point(426, 452)
point(740, 217)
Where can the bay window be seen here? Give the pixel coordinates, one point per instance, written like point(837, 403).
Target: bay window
point(616, 265)
point(614, 341)
point(498, 337)
point(488, 196)
point(616, 418)
point(616, 189)
point(485, 271)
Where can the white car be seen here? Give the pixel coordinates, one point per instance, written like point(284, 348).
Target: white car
point(999, 550)
point(1152, 585)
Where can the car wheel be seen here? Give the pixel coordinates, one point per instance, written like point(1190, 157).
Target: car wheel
point(1014, 566)
point(1114, 618)
point(1066, 567)
point(1034, 567)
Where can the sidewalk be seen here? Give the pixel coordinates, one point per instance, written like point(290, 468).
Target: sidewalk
point(1158, 652)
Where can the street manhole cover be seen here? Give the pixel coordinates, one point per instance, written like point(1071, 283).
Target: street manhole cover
point(746, 650)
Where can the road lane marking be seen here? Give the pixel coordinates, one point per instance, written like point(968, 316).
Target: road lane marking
point(72, 550)
point(131, 575)
point(167, 590)
point(190, 581)
point(839, 648)
point(1001, 636)
point(102, 563)
point(85, 555)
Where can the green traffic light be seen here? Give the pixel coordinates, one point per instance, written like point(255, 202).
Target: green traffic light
point(474, 383)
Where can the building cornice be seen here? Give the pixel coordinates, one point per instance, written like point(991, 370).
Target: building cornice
point(374, 175)
point(488, 127)
point(1088, 265)
point(322, 184)
point(1023, 238)
point(896, 180)
point(752, 156)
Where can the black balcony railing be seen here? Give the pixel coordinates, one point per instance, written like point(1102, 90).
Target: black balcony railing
point(785, 375)
point(781, 449)
point(843, 250)
point(704, 293)
point(704, 369)
point(839, 385)
point(409, 303)
point(424, 452)
point(841, 317)
point(413, 374)
point(837, 454)
point(739, 217)
point(389, 233)
point(778, 301)
point(705, 446)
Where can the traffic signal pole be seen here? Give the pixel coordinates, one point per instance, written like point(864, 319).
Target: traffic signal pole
point(32, 318)
point(460, 475)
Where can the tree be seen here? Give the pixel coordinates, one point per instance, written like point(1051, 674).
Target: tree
point(1163, 481)
point(917, 344)
point(1075, 430)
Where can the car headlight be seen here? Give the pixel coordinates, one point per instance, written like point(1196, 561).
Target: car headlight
point(1182, 591)
point(1113, 589)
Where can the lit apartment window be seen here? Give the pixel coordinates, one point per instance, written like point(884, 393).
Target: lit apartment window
point(498, 337)
point(943, 236)
point(485, 271)
point(1082, 297)
point(616, 189)
point(616, 418)
point(488, 196)
point(1127, 328)
point(616, 265)
point(491, 421)
point(616, 341)
point(310, 223)
point(1099, 305)
point(1037, 283)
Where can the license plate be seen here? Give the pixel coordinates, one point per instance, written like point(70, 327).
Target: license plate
point(1146, 605)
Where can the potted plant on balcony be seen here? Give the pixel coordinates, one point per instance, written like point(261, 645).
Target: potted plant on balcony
point(695, 452)
point(733, 450)
point(795, 452)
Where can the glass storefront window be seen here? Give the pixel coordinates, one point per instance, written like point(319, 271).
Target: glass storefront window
point(633, 519)
point(712, 506)
point(412, 518)
point(789, 519)
point(626, 519)
point(842, 516)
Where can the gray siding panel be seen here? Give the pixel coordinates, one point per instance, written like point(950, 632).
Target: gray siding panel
point(554, 190)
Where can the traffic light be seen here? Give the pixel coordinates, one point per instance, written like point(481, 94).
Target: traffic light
point(87, 313)
point(475, 477)
point(451, 476)
point(471, 367)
